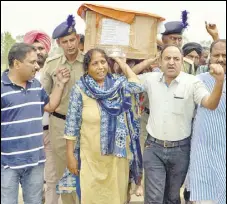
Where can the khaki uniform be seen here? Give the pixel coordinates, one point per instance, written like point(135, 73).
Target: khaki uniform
point(51, 197)
point(57, 125)
point(188, 66)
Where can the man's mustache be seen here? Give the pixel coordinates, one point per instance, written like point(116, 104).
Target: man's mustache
point(222, 64)
point(40, 56)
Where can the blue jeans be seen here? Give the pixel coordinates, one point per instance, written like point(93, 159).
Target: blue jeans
point(165, 172)
point(31, 180)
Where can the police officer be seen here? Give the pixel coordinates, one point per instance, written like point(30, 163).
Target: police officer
point(173, 36)
point(71, 58)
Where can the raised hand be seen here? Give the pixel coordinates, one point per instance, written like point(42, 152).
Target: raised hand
point(212, 30)
point(217, 71)
point(63, 75)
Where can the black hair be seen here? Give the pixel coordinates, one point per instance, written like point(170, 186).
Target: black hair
point(215, 42)
point(18, 52)
point(211, 48)
point(166, 46)
point(88, 56)
point(81, 38)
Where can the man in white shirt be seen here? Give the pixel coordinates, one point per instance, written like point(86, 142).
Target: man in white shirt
point(42, 42)
point(172, 95)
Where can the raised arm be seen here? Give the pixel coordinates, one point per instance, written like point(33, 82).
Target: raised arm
point(63, 76)
point(46, 79)
point(125, 69)
point(211, 101)
point(212, 30)
point(137, 69)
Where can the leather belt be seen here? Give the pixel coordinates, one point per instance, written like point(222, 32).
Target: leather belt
point(58, 115)
point(169, 144)
point(46, 127)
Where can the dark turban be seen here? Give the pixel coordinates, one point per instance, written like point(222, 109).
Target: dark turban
point(39, 36)
point(189, 47)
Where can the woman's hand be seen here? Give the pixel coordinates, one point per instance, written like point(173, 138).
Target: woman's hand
point(121, 62)
point(139, 190)
point(72, 164)
point(125, 68)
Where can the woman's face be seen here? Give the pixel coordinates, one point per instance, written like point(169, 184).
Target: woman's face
point(98, 67)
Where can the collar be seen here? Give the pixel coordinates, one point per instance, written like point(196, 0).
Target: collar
point(177, 79)
point(161, 77)
point(6, 80)
point(79, 58)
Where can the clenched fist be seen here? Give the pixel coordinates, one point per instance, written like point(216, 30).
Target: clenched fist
point(217, 71)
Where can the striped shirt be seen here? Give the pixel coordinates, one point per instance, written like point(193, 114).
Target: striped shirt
point(207, 171)
point(202, 69)
point(21, 123)
point(156, 69)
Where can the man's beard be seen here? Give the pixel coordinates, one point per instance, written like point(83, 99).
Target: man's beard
point(196, 67)
point(41, 60)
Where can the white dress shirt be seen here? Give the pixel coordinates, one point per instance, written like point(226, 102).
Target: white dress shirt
point(172, 108)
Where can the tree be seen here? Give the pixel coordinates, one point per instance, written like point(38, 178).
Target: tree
point(20, 38)
point(206, 43)
point(6, 43)
point(2, 39)
point(185, 39)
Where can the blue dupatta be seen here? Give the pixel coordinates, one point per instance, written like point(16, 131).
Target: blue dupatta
point(119, 119)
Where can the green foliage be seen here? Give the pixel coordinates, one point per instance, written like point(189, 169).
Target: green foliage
point(20, 38)
point(3, 67)
point(206, 43)
point(6, 43)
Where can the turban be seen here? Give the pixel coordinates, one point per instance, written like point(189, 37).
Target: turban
point(189, 47)
point(39, 36)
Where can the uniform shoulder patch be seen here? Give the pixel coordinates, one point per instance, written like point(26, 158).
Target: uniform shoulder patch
point(57, 56)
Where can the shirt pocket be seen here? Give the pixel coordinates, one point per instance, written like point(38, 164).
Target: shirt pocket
point(179, 99)
point(178, 105)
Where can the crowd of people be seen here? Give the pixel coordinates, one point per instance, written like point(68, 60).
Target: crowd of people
point(90, 125)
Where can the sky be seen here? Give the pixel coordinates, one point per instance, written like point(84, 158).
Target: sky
point(19, 17)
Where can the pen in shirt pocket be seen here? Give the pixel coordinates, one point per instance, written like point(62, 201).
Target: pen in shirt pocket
point(178, 97)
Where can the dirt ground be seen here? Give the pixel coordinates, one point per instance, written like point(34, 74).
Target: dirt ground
point(134, 199)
